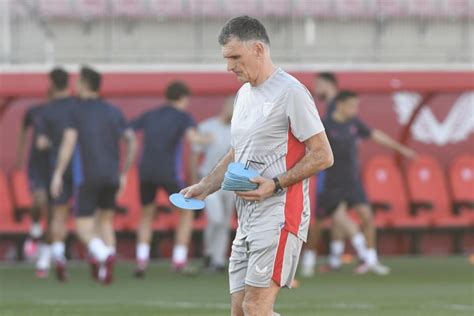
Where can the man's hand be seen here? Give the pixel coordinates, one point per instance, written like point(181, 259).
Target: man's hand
point(265, 189)
point(408, 153)
point(56, 185)
point(122, 185)
point(196, 191)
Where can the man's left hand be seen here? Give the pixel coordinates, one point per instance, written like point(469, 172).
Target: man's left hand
point(265, 189)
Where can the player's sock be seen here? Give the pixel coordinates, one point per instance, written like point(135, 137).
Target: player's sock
point(44, 258)
point(372, 258)
point(308, 262)
point(58, 250)
point(98, 249)
point(358, 242)
point(337, 249)
point(36, 230)
point(180, 254)
point(143, 252)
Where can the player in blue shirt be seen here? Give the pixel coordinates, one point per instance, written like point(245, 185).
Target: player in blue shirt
point(52, 123)
point(340, 186)
point(165, 129)
point(38, 178)
point(97, 128)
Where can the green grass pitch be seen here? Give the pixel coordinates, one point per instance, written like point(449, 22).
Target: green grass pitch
point(441, 286)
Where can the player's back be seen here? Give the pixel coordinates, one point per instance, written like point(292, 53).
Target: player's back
point(100, 127)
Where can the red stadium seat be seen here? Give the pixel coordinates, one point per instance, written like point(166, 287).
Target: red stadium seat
point(429, 194)
point(461, 176)
point(21, 193)
point(7, 220)
point(385, 189)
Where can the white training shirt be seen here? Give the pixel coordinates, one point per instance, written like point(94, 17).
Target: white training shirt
point(269, 125)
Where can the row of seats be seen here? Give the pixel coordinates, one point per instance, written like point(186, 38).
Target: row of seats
point(425, 197)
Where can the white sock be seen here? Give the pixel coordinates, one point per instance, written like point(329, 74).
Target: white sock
point(98, 249)
point(44, 257)
point(58, 250)
point(180, 254)
point(337, 249)
point(358, 242)
point(36, 230)
point(309, 258)
point(143, 251)
point(371, 258)
point(112, 250)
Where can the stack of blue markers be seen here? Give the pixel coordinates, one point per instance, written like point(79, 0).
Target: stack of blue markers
point(237, 178)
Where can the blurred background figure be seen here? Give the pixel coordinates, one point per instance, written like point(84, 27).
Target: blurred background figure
point(52, 124)
point(220, 205)
point(97, 128)
point(165, 130)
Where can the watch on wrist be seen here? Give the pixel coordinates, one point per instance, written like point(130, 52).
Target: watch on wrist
point(278, 187)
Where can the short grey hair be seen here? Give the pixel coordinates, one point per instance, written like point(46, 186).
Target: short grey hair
point(244, 28)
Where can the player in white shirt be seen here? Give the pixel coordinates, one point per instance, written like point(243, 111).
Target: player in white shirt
point(276, 128)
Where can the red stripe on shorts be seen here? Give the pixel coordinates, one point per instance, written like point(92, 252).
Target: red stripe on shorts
point(279, 258)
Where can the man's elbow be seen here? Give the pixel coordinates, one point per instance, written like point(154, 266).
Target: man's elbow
point(328, 160)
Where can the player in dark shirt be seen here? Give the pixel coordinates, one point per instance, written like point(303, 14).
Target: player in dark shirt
point(164, 129)
point(38, 178)
point(52, 123)
point(97, 128)
point(340, 186)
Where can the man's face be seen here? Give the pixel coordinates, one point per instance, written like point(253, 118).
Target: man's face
point(323, 89)
point(243, 59)
point(350, 107)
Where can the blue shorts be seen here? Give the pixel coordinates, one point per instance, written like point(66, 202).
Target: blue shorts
point(89, 197)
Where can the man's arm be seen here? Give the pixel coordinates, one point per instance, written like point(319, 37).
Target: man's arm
point(385, 140)
point(194, 137)
point(20, 148)
point(130, 141)
point(212, 182)
point(65, 153)
point(318, 157)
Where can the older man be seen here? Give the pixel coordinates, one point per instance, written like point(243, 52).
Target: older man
point(276, 125)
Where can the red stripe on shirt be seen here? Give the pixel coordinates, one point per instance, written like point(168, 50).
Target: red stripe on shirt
point(279, 258)
point(294, 196)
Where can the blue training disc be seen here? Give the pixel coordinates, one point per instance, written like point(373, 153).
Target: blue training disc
point(180, 201)
point(239, 170)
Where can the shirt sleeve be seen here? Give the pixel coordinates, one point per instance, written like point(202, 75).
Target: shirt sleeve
point(189, 122)
point(121, 122)
point(72, 120)
point(304, 118)
point(363, 130)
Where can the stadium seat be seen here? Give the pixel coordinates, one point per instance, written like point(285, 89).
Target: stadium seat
point(429, 194)
point(8, 224)
point(385, 189)
point(21, 193)
point(461, 176)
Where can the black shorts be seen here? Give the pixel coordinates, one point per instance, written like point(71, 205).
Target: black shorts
point(148, 189)
point(329, 199)
point(90, 197)
point(38, 175)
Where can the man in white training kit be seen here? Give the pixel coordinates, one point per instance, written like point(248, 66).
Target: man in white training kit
point(276, 128)
point(220, 205)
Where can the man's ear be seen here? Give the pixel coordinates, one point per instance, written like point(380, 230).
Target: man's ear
point(259, 49)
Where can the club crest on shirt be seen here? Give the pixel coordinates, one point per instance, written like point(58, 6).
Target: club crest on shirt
point(267, 108)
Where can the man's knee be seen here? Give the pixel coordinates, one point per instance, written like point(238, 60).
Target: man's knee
point(365, 214)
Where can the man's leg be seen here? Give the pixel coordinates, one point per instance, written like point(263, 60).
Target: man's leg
point(213, 206)
point(237, 300)
point(336, 246)
point(182, 238)
point(105, 223)
point(144, 236)
point(259, 301)
point(369, 228)
point(59, 232)
point(308, 260)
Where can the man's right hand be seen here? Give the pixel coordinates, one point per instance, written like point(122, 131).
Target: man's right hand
point(56, 185)
point(196, 191)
